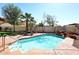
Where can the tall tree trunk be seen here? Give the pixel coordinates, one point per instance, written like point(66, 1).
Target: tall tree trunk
point(42, 29)
point(26, 30)
point(14, 26)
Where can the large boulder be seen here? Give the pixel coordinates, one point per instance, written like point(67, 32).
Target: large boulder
point(71, 29)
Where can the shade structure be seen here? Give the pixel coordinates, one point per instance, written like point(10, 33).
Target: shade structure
point(4, 25)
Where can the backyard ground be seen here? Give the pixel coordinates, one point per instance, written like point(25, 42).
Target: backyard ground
point(68, 47)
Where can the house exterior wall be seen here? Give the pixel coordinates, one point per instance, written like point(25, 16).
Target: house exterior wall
point(1, 22)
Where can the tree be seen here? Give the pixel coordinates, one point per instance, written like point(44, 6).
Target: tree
point(32, 23)
point(41, 24)
point(11, 13)
point(50, 20)
point(26, 16)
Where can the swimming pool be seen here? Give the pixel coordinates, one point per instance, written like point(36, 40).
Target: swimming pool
point(41, 42)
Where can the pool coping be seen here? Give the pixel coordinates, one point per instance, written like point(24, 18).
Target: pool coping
point(38, 35)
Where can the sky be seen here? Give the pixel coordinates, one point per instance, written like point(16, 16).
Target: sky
point(64, 13)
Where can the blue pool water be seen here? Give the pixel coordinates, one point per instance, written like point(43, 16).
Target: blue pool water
point(42, 42)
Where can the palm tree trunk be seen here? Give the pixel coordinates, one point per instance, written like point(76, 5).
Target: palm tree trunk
point(42, 29)
point(14, 27)
point(26, 30)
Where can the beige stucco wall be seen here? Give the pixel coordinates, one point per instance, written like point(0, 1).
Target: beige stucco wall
point(44, 29)
point(36, 29)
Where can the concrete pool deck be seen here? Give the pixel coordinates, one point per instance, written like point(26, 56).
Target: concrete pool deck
point(66, 48)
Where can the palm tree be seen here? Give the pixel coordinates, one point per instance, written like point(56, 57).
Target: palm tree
point(27, 17)
point(11, 13)
point(32, 23)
